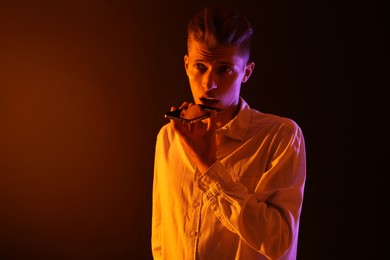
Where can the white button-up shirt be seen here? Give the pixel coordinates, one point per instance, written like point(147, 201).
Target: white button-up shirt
point(247, 205)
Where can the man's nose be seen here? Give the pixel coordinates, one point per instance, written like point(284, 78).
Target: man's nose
point(209, 80)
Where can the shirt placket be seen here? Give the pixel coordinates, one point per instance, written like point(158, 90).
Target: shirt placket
point(195, 219)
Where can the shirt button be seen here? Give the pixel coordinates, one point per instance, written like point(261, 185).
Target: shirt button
point(194, 233)
point(196, 204)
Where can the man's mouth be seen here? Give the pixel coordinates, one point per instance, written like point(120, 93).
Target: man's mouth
point(210, 101)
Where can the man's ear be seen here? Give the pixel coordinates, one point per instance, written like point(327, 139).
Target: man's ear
point(250, 66)
point(186, 63)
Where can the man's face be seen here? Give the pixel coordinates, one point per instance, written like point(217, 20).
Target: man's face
point(215, 76)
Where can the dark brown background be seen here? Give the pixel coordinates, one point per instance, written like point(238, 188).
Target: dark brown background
point(83, 88)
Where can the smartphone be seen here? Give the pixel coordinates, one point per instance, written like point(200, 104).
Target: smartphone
point(192, 113)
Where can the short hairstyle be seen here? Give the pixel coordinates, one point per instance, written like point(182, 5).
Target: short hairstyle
point(220, 26)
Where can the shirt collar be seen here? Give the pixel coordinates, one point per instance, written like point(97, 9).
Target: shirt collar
point(238, 126)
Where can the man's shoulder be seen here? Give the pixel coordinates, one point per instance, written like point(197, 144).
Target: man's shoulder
point(164, 129)
point(269, 120)
point(166, 132)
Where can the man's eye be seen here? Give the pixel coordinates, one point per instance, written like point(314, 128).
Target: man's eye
point(200, 67)
point(225, 69)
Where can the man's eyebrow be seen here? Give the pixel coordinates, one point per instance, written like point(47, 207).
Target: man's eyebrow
point(209, 60)
point(226, 63)
point(199, 59)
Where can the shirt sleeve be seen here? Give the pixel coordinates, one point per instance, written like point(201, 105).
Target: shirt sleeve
point(156, 214)
point(268, 218)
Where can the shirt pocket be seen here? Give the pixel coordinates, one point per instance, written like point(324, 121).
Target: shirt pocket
point(247, 174)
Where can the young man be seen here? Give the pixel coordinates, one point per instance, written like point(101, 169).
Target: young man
point(230, 186)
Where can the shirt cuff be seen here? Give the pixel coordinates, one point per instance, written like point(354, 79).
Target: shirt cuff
point(215, 179)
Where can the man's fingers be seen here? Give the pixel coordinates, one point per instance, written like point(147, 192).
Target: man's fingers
point(212, 123)
point(184, 105)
